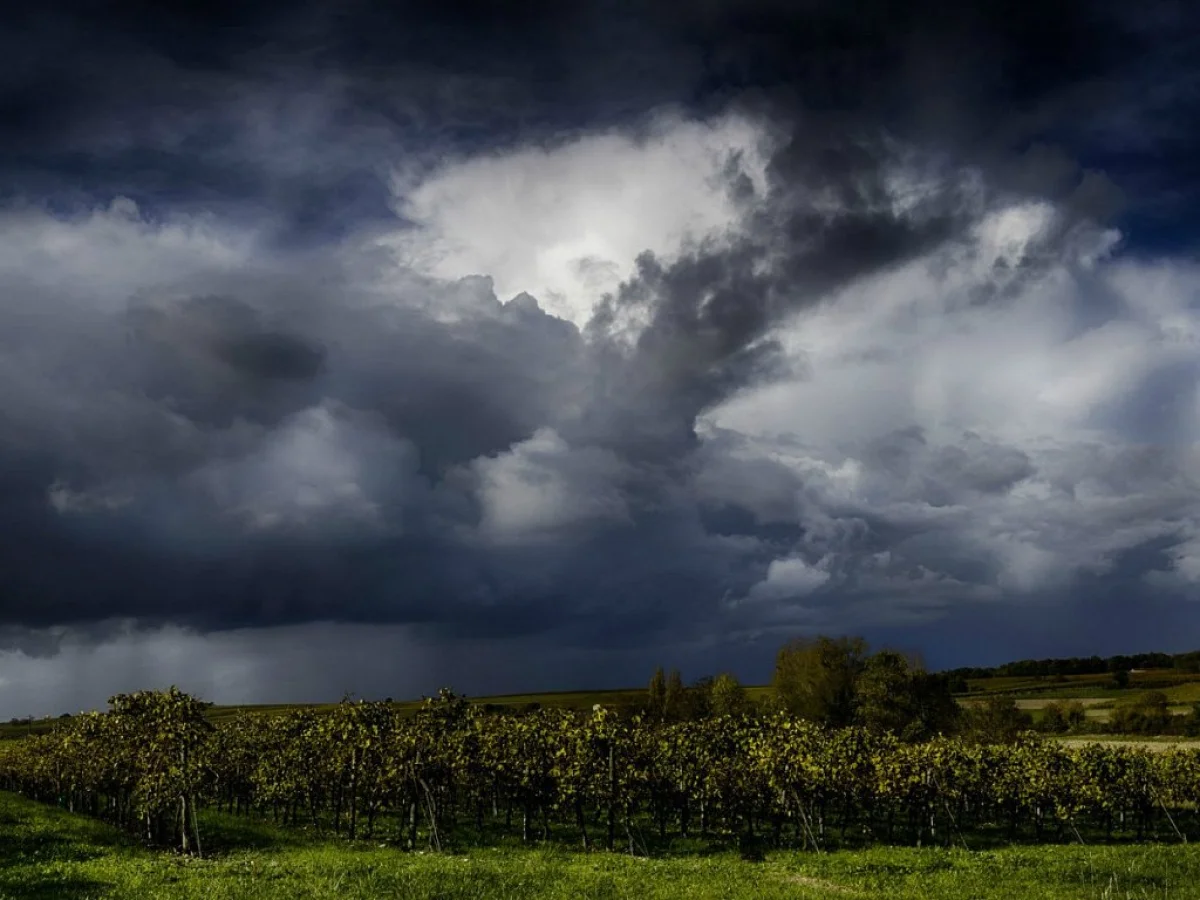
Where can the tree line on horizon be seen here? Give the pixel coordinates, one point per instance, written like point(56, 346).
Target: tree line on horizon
point(838, 683)
point(1188, 663)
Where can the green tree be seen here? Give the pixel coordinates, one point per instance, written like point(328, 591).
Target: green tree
point(728, 696)
point(936, 710)
point(1188, 662)
point(1062, 716)
point(815, 679)
point(656, 694)
point(996, 720)
point(699, 699)
point(1149, 713)
point(885, 698)
point(674, 697)
point(894, 694)
point(1191, 723)
point(1053, 719)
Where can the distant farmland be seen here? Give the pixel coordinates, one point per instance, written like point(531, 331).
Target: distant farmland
point(1096, 692)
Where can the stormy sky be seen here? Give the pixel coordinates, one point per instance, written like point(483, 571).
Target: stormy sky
point(377, 347)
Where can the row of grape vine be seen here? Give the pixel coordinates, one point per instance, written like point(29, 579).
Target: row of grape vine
point(452, 771)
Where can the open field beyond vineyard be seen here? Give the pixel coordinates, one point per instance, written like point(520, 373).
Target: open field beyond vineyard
point(1032, 694)
point(49, 854)
point(1156, 744)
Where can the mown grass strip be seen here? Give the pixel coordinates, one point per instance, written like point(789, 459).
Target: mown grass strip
point(48, 854)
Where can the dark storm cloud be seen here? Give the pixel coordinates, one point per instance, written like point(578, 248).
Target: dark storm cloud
point(271, 355)
point(302, 109)
point(185, 444)
point(974, 465)
point(286, 445)
point(851, 92)
point(298, 107)
point(709, 313)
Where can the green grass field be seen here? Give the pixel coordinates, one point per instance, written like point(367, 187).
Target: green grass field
point(48, 854)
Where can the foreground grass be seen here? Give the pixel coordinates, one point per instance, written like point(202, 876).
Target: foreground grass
point(47, 853)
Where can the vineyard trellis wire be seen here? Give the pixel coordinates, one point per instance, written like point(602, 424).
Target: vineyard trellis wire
point(452, 769)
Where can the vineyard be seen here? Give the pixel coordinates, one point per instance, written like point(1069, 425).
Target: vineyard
point(454, 772)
